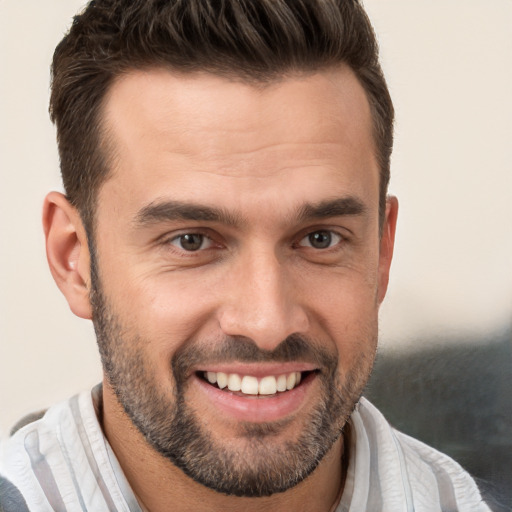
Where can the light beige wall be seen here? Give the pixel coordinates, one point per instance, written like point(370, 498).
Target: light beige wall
point(449, 68)
point(449, 65)
point(45, 352)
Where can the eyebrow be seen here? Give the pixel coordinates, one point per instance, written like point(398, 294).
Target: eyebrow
point(177, 210)
point(339, 207)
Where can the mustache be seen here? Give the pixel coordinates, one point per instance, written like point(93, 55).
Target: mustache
point(295, 347)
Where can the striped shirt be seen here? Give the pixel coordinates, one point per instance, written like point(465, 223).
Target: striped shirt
point(63, 462)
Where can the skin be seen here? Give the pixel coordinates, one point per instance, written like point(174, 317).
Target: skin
point(261, 154)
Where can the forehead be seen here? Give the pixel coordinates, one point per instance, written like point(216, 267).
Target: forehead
point(179, 134)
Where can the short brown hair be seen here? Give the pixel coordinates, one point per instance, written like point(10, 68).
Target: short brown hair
point(253, 40)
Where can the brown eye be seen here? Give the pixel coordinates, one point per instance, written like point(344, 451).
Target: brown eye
point(322, 239)
point(191, 242)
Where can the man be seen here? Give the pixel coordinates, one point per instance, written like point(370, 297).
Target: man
point(227, 228)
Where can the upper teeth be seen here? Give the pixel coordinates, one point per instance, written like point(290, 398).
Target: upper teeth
point(251, 385)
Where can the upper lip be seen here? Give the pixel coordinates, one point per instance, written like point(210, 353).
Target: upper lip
point(257, 370)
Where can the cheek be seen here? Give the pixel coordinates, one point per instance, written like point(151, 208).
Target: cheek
point(165, 311)
point(346, 312)
point(343, 295)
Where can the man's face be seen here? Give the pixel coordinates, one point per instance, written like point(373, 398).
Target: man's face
point(237, 244)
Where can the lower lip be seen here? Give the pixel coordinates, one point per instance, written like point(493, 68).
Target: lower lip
point(258, 408)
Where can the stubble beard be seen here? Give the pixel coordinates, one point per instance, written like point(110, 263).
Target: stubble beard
point(173, 429)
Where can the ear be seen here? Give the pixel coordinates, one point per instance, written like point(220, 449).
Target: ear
point(387, 244)
point(67, 252)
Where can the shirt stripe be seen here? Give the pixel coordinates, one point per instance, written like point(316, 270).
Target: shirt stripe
point(73, 404)
point(43, 472)
point(69, 463)
point(374, 502)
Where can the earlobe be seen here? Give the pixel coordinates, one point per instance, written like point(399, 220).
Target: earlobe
point(387, 244)
point(67, 252)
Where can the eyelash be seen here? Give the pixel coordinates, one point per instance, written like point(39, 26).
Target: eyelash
point(181, 236)
point(331, 234)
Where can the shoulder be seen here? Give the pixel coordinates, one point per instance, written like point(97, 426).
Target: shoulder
point(454, 485)
point(45, 458)
point(421, 474)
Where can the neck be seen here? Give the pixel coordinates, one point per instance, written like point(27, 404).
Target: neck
point(157, 482)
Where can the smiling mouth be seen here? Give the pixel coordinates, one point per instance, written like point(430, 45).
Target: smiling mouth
point(247, 385)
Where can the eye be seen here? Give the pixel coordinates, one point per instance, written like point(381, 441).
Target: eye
point(191, 242)
point(322, 239)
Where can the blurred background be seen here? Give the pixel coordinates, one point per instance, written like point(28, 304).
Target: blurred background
point(444, 371)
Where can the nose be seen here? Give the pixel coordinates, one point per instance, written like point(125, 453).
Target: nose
point(262, 302)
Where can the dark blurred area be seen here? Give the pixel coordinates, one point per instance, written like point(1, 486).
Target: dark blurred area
point(457, 397)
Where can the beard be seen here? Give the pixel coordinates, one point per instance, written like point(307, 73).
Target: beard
point(263, 465)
